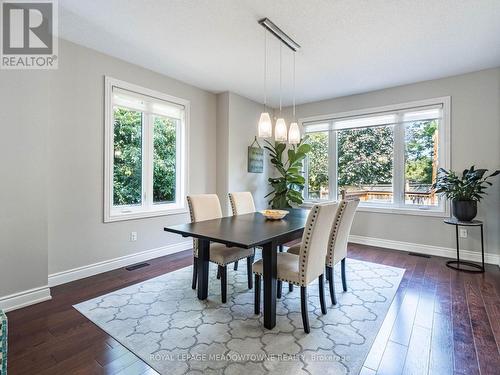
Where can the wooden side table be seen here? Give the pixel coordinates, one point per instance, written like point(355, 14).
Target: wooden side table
point(459, 264)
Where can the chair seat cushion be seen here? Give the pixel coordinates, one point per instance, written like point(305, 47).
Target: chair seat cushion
point(288, 268)
point(222, 255)
point(295, 249)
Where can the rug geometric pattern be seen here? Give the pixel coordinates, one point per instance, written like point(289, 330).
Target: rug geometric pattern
point(162, 321)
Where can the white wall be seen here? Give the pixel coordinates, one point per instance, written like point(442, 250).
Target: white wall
point(237, 119)
point(475, 139)
point(24, 115)
point(51, 151)
point(77, 234)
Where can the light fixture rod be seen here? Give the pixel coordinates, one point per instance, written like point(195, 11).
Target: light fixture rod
point(294, 86)
point(278, 33)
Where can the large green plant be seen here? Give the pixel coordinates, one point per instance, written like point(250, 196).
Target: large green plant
point(470, 186)
point(287, 188)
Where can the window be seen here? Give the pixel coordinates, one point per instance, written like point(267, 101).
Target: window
point(145, 163)
point(388, 157)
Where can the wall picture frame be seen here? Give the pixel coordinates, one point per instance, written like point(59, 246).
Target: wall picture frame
point(255, 157)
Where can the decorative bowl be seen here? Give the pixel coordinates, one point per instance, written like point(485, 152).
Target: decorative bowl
point(274, 214)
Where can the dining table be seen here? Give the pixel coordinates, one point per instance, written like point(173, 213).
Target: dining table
point(245, 231)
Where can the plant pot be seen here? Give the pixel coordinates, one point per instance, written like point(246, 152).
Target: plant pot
point(464, 210)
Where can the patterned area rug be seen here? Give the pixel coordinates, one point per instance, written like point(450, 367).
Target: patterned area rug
point(163, 322)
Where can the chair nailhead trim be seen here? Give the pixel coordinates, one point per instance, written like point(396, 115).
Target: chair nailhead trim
point(191, 214)
point(233, 204)
point(304, 249)
point(333, 238)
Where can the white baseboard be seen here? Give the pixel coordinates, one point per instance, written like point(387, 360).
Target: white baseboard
point(67, 276)
point(24, 298)
point(445, 252)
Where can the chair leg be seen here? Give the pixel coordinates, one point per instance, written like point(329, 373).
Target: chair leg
point(342, 271)
point(218, 273)
point(257, 295)
point(236, 266)
point(249, 271)
point(322, 294)
point(279, 287)
point(290, 287)
point(223, 282)
point(195, 272)
point(327, 274)
point(331, 284)
point(280, 248)
point(303, 309)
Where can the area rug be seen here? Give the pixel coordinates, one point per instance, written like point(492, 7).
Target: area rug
point(162, 321)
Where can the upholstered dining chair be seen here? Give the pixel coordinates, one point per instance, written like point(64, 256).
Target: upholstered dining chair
point(207, 207)
point(308, 266)
point(337, 246)
point(242, 203)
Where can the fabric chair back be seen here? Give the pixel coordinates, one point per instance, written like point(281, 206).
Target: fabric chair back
point(315, 241)
point(341, 228)
point(203, 207)
point(242, 203)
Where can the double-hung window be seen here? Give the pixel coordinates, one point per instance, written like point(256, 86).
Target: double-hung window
point(388, 157)
point(145, 152)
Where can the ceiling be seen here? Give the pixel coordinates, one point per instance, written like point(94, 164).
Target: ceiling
point(348, 46)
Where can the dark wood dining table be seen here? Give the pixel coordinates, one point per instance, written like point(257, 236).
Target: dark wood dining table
point(246, 231)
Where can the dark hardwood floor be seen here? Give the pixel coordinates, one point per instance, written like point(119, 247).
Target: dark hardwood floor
point(440, 322)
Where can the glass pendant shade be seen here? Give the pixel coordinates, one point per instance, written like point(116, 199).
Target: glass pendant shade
point(280, 131)
point(294, 134)
point(265, 127)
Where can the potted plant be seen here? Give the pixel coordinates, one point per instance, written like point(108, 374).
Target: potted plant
point(464, 191)
point(287, 188)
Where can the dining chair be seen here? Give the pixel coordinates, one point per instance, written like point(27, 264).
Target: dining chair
point(308, 266)
point(207, 207)
point(242, 203)
point(337, 247)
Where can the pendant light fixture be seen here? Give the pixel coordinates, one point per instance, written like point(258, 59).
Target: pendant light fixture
point(265, 127)
point(280, 131)
point(294, 132)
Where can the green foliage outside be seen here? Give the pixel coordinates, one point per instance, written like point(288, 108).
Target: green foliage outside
point(318, 164)
point(127, 173)
point(164, 160)
point(419, 138)
point(365, 156)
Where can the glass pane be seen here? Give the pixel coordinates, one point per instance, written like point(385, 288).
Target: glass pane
point(421, 162)
point(164, 159)
point(365, 163)
point(127, 166)
point(318, 166)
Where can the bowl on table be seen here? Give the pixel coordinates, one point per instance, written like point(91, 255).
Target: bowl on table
point(274, 214)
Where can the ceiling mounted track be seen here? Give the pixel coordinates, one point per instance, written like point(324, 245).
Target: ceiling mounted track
point(278, 33)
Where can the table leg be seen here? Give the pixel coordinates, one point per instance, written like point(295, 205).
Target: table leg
point(458, 253)
point(482, 247)
point(269, 258)
point(203, 263)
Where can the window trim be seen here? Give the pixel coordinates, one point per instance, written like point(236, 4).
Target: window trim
point(145, 210)
point(443, 210)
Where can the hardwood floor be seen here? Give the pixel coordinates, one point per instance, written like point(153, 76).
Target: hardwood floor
point(440, 322)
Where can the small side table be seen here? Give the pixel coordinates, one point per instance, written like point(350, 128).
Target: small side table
point(458, 264)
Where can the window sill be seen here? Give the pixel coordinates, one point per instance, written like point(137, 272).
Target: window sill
point(393, 210)
point(110, 218)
